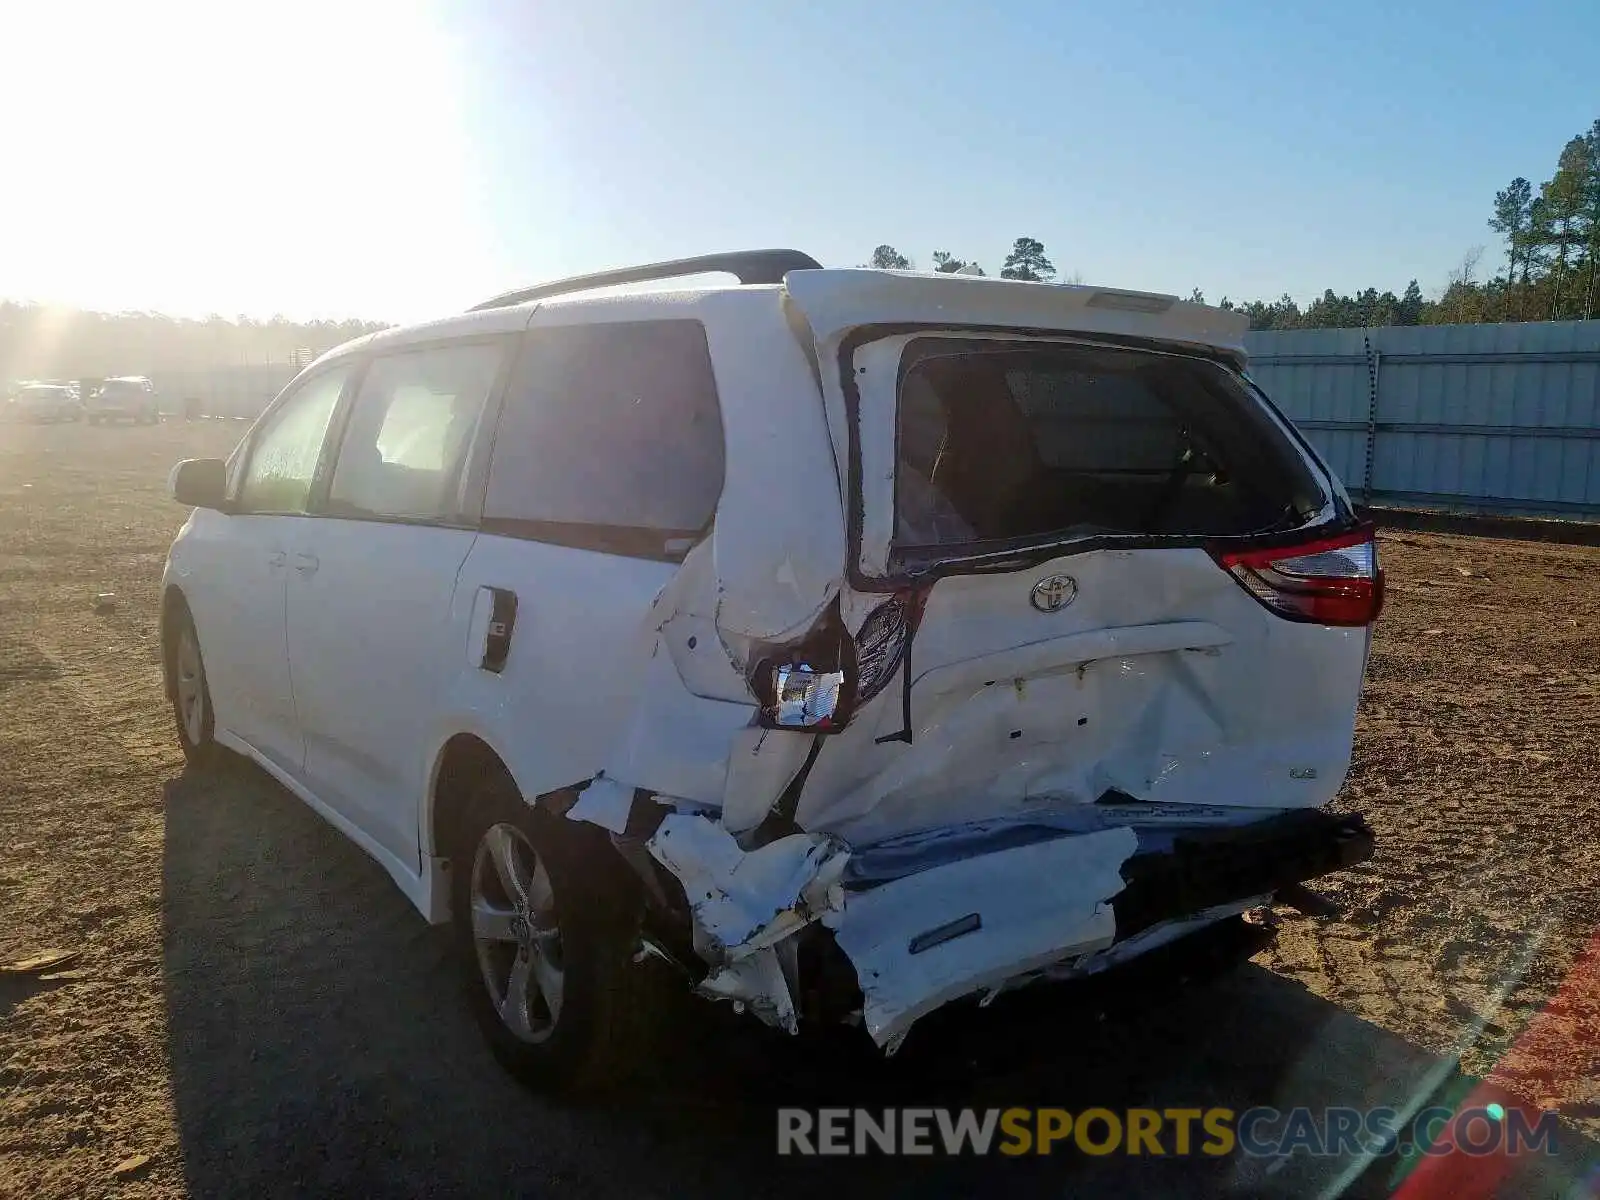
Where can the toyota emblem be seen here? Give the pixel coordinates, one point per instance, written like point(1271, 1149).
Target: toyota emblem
point(1053, 593)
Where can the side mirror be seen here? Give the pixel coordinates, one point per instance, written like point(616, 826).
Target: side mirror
point(200, 482)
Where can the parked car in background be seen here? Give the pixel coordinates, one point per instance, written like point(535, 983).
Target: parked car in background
point(49, 402)
point(126, 398)
point(840, 644)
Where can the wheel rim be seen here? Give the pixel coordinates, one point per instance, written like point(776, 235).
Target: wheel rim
point(517, 936)
point(191, 689)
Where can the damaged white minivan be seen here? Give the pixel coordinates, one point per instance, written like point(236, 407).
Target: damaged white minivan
point(840, 643)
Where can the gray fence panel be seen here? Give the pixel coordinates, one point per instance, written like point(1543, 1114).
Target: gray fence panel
point(1493, 418)
point(1320, 379)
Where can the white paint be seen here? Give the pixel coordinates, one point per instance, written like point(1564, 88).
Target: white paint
point(1157, 935)
point(1038, 904)
point(234, 572)
point(604, 803)
point(367, 647)
point(761, 763)
point(757, 981)
point(837, 301)
point(745, 901)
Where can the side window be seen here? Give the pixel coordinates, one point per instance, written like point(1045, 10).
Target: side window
point(410, 430)
point(283, 454)
point(611, 438)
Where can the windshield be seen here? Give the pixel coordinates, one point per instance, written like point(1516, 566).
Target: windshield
point(999, 442)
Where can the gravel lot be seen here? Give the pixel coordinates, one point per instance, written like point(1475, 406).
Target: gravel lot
point(256, 1010)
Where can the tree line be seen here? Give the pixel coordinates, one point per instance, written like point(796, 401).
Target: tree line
point(1028, 261)
point(52, 343)
point(1550, 269)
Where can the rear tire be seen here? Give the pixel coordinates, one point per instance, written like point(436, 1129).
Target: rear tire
point(546, 921)
point(191, 694)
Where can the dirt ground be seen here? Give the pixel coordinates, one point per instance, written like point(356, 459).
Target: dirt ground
point(255, 1009)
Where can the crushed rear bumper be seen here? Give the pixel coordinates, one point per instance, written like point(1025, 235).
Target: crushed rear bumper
point(1202, 868)
point(1037, 900)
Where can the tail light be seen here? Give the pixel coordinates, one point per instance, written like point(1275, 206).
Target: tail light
point(880, 647)
point(816, 684)
point(1330, 581)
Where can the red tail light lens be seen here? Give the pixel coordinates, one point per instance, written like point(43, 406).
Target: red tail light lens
point(880, 647)
point(1330, 581)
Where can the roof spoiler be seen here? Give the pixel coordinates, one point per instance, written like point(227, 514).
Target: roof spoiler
point(749, 266)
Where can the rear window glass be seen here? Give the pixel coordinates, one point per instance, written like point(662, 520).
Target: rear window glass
point(611, 438)
point(1000, 443)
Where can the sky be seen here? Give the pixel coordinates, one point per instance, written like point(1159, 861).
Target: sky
point(402, 159)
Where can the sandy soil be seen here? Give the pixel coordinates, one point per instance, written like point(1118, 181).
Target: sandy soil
point(255, 1010)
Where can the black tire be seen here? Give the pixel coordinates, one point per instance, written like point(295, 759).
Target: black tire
point(610, 1005)
point(197, 738)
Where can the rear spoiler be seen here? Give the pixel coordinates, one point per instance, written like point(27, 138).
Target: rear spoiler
point(835, 301)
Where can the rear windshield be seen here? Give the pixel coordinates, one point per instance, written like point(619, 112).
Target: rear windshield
point(1001, 442)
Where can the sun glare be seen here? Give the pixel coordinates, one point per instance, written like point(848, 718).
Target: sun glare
point(192, 157)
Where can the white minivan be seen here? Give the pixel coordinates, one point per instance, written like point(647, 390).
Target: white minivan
point(841, 643)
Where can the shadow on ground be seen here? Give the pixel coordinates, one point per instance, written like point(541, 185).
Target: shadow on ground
point(318, 1046)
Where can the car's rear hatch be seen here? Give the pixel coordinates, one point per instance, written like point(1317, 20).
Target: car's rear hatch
point(1046, 488)
point(1100, 605)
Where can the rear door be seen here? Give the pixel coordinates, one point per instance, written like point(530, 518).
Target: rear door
point(607, 467)
point(1060, 526)
point(370, 582)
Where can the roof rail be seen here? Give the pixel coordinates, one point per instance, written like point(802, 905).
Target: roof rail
point(750, 266)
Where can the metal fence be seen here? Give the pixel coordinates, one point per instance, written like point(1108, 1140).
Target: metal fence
point(1498, 419)
point(233, 391)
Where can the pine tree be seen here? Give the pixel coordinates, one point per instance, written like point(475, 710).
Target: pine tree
point(1513, 219)
point(1564, 195)
point(887, 258)
point(1591, 220)
point(1027, 261)
point(1409, 310)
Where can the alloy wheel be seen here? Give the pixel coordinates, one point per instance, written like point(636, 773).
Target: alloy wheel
point(515, 931)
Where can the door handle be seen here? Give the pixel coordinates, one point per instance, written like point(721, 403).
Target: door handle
point(276, 559)
point(307, 564)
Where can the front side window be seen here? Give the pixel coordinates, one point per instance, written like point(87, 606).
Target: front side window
point(611, 439)
point(284, 452)
point(409, 432)
point(998, 443)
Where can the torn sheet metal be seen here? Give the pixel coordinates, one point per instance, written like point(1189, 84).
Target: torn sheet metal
point(756, 981)
point(779, 535)
point(761, 764)
point(929, 938)
point(605, 803)
point(744, 901)
point(671, 741)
